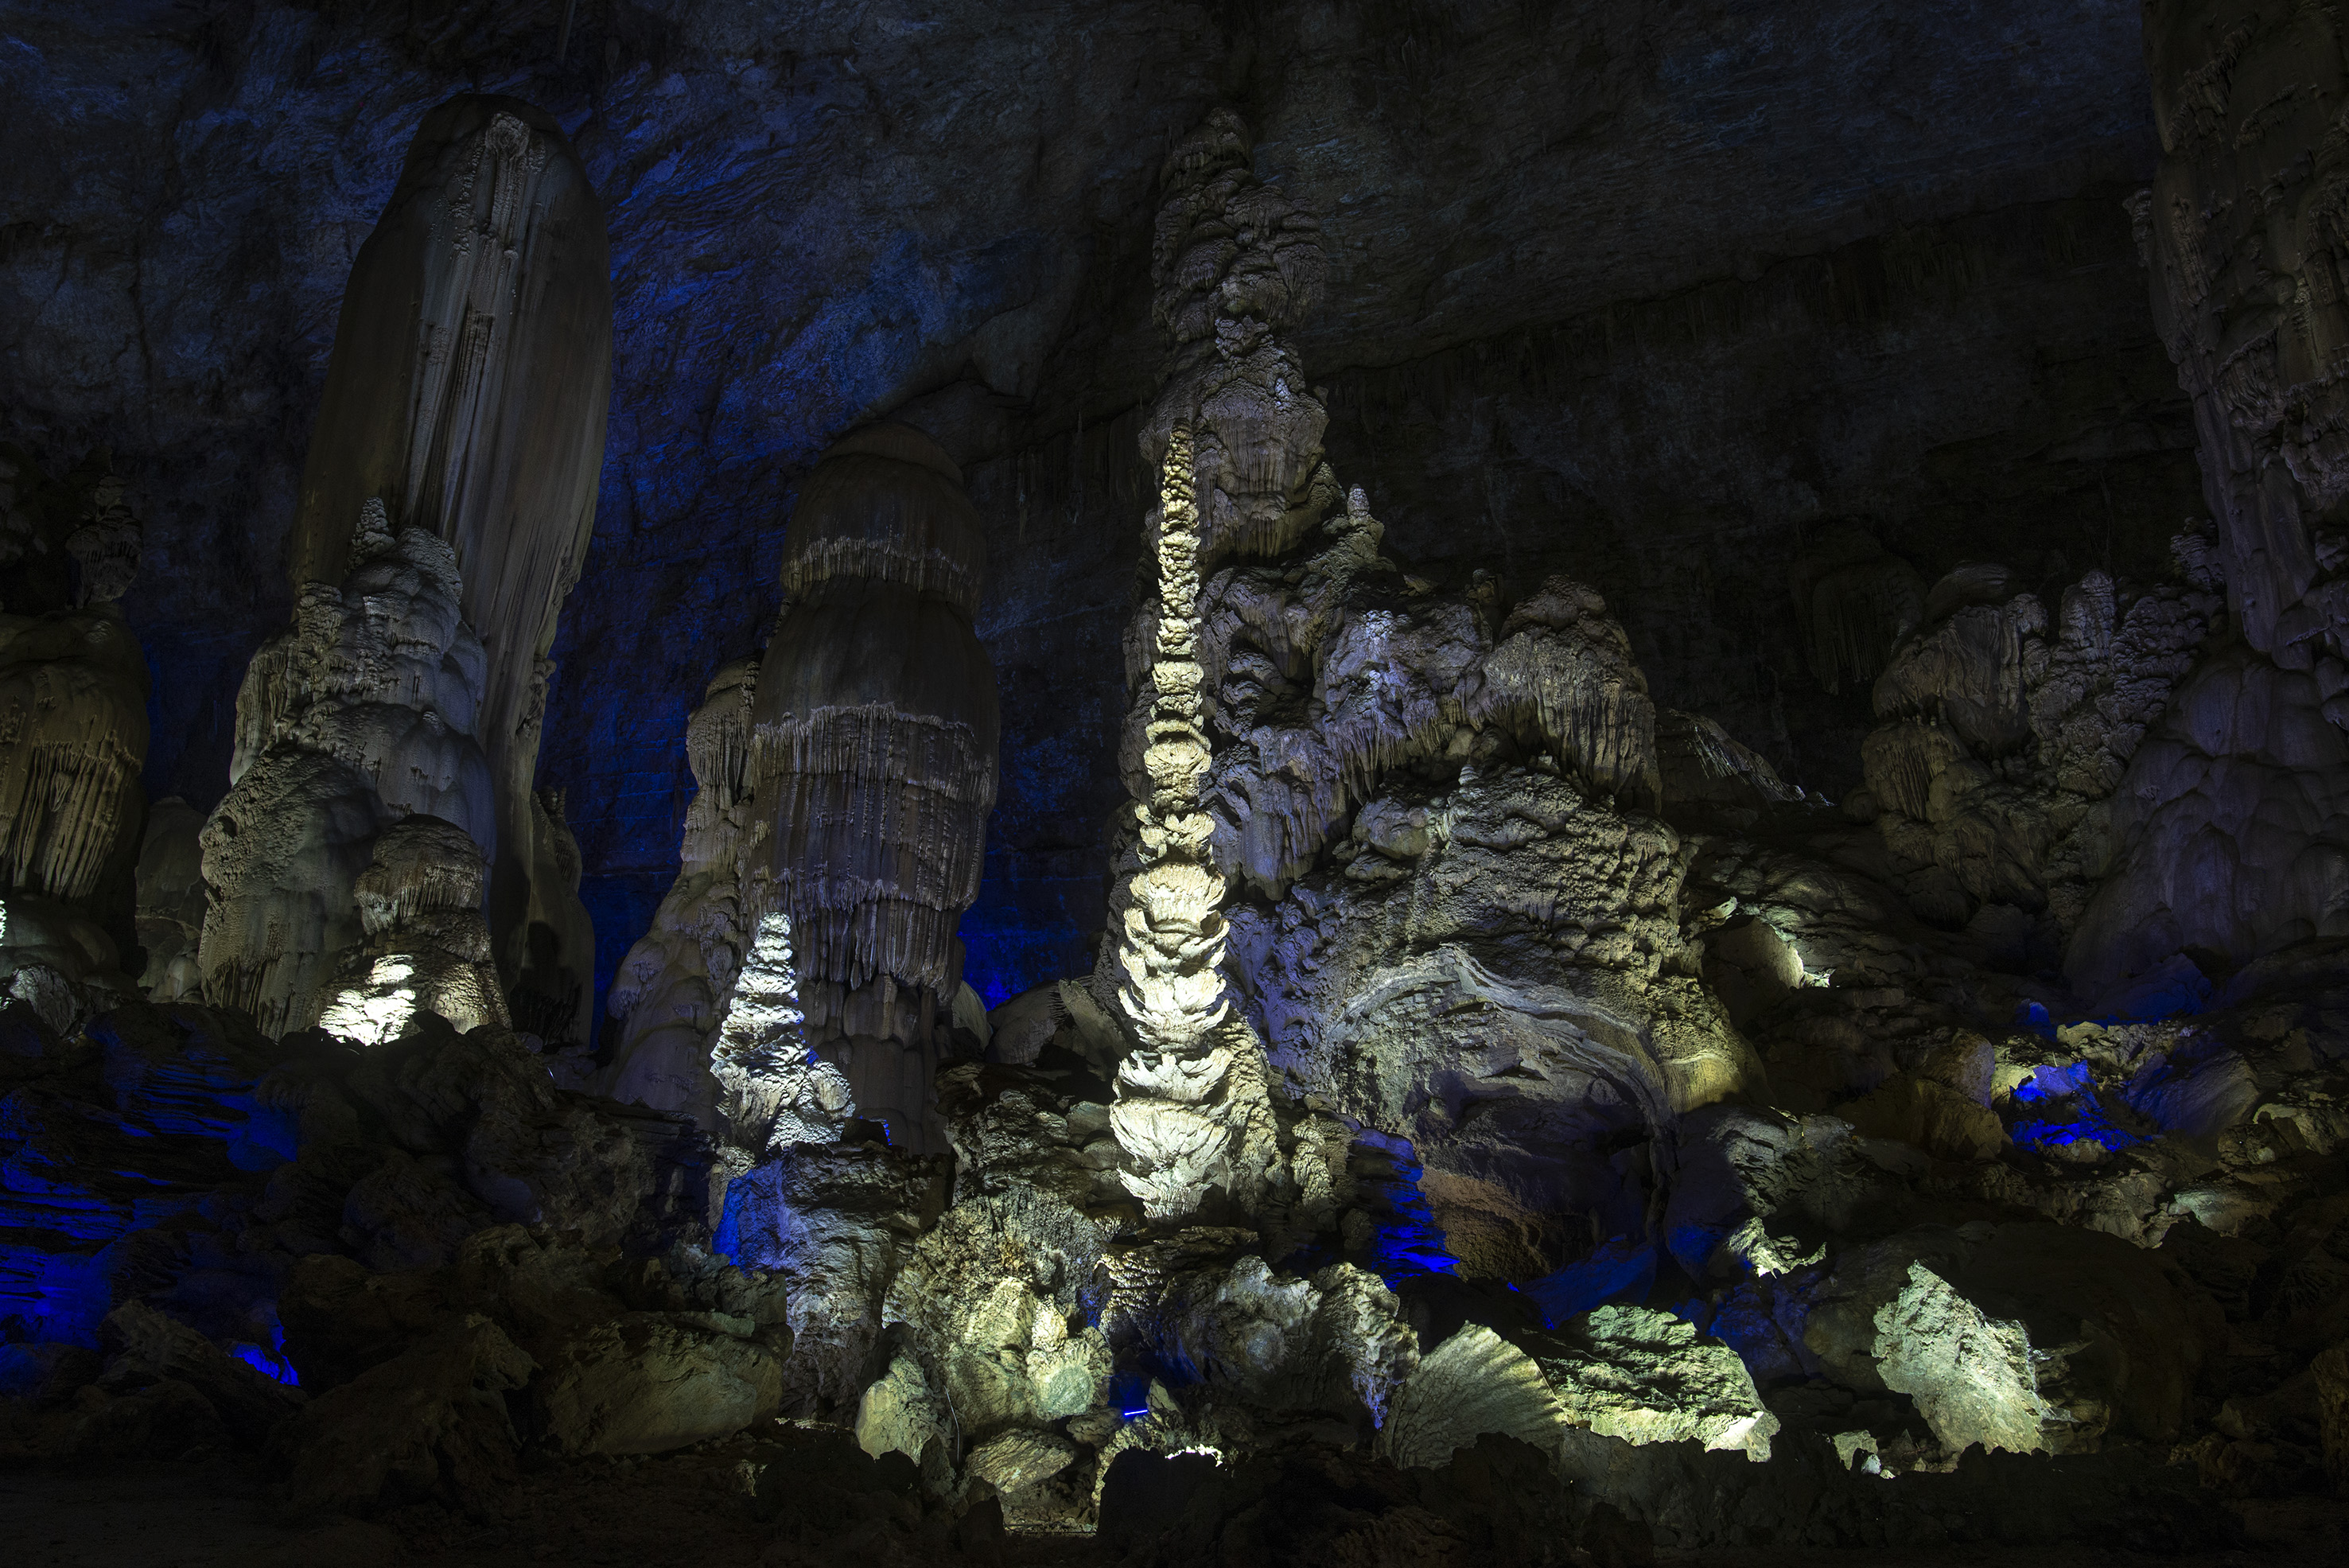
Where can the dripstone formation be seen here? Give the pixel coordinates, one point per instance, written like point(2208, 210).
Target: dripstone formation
point(447, 500)
point(73, 736)
point(1508, 1119)
point(845, 781)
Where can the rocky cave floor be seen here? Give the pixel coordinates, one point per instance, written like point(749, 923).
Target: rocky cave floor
point(720, 1502)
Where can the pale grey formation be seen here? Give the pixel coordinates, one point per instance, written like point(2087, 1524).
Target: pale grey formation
point(364, 712)
point(873, 747)
point(467, 395)
point(670, 993)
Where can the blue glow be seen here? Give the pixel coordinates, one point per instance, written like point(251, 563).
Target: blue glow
point(2055, 1083)
point(2070, 1087)
point(2034, 1016)
point(260, 1360)
point(1409, 1244)
point(2092, 1125)
point(1619, 1269)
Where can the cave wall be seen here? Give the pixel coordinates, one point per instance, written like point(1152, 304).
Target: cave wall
point(1649, 290)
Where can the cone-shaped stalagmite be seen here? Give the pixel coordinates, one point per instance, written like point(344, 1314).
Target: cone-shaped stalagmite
point(466, 397)
point(875, 736)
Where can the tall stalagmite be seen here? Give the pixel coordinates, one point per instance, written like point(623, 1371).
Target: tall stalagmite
point(466, 398)
point(874, 742)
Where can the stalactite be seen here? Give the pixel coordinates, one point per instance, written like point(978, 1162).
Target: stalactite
point(874, 751)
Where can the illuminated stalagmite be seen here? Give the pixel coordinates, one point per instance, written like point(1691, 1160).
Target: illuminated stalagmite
point(1193, 1088)
point(464, 404)
point(874, 743)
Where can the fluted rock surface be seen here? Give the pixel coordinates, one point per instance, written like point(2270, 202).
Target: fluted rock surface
point(874, 737)
point(73, 731)
point(467, 393)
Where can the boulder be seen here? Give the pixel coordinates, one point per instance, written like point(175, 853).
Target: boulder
point(431, 1422)
point(1648, 1377)
point(651, 1382)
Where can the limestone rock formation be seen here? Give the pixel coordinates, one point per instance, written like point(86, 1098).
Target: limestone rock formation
point(874, 735)
point(1647, 1377)
point(1474, 1383)
point(172, 900)
point(1996, 777)
point(73, 735)
point(465, 405)
point(426, 946)
point(2243, 239)
point(670, 992)
point(364, 712)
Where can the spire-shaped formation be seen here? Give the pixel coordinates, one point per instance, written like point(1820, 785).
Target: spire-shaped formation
point(1170, 1117)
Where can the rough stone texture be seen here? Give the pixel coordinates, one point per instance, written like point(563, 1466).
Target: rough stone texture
point(873, 739)
point(1646, 1377)
point(1510, 396)
point(466, 395)
point(1474, 1383)
point(362, 713)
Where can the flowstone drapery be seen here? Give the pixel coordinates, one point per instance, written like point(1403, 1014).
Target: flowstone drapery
point(73, 735)
point(873, 736)
point(845, 779)
point(444, 508)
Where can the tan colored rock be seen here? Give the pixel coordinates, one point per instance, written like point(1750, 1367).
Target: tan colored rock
point(1928, 1116)
point(1648, 1377)
point(1018, 1459)
point(430, 1423)
point(651, 1382)
point(1474, 1383)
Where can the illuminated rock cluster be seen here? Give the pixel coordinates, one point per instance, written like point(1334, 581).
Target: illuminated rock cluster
point(1508, 1119)
point(449, 489)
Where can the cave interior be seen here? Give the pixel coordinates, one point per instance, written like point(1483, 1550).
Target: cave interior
point(1429, 782)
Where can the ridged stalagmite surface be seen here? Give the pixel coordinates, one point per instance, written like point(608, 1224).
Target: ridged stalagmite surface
point(670, 992)
point(467, 391)
point(73, 737)
point(361, 714)
point(73, 683)
point(873, 745)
